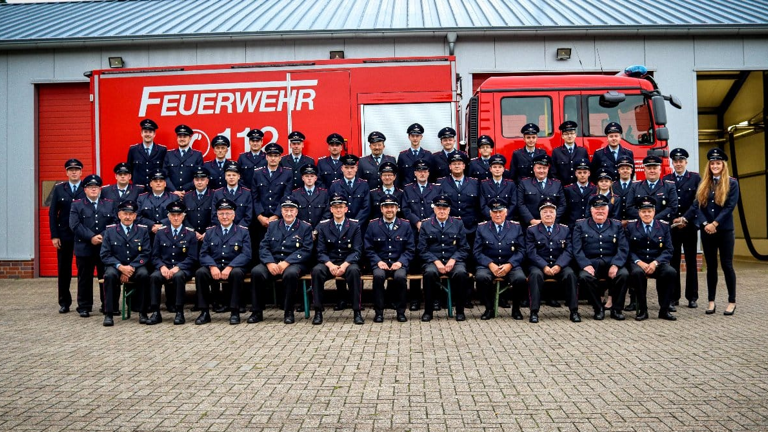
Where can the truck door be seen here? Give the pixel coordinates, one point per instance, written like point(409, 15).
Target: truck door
point(515, 109)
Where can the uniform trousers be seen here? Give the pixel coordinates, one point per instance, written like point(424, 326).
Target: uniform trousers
point(459, 278)
point(260, 275)
point(85, 267)
point(397, 285)
point(665, 279)
point(566, 278)
point(617, 286)
point(485, 284)
point(352, 276)
point(64, 262)
point(722, 241)
point(140, 280)
point(175, 289)
point(204, 281)
point(685, 239)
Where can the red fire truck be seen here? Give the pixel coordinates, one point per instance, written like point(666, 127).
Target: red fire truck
point(502, 105)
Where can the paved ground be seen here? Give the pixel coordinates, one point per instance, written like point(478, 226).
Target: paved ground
point(699, 373)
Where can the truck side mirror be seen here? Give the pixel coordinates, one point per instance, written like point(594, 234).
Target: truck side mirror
point(662, 134)
point(659, 110)
point(675, 102)
point(612, 99)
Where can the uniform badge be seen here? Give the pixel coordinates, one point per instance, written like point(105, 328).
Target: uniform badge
point(663, 202)
point(454, 242)
point(563, 243)
point(349, 246)
point(184, 249)
point(298, 245)
point(614, 239)
point(513, 248)
point(236, 247)
point(139, 248)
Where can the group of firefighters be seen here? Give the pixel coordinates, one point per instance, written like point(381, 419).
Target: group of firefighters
point(563, 218)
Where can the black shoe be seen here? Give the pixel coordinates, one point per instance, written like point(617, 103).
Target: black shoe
point(692, 304)
point(642, 315)
point(234, 319)
point(156, 318)
point(665, 315)
point(359, 318)
point(575, 317)
point(436, 306)
point(426, 317)
point(525, 303)
point(488, 314)
point(672, 307)
point(676, 303)
point(534, 318)
point(318, 319)
point(401, 317)
point(300, 308)
point(143, 318)
point(289, 318)
point(85, 314)
point(415, 305)
point(379, 317)
point(630, 307)
point(460, 316)
point(711, 311)
point(108, 322)
point(553, 303)
point(64, 309)
point(256, 316)
point(179, 318)
point(170, 308)
point(340, 306)
point(600, 314)
point(503, 303)
point(468, 304)
point(220, 309)
point(516, 314)
point(727, 313)
point(204, 318)
point(617, 315)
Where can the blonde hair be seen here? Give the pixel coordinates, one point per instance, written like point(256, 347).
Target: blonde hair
point(707, 185)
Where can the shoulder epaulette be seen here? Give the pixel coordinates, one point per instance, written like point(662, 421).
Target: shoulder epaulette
point(441, 179)
point(405, 150)
point(105, 186)
point(243, 227)
point(58, 183)
point(474, 158)
point(325, 221)
point(108, 199)
point(190, 229)
point(319, 188)
point(424, 220)
point(437, 184)
point(305, 223)
point(245, 188)
point(572, 185)
point(482, 223)
point(337, 180)
point(141, 225)
point(514, 222)
point(524, 178)
point(486, 180)
point(564, 225)
point(363, 180)
point(287, 168)
point(582, 219)
point(143, 193)
point(404, 220)
point(160, 145)
point(134, 145)
point(210, 228)
point(322, 157)
point(631, 220)
point(669, 181)
point(353, 220)
point(77, 200)
point(615, 220)
point(554, 179)
point(261, 168)
point(111, 225)
point(636, 181)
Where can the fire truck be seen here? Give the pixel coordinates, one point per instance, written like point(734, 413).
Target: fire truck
point(356, 96)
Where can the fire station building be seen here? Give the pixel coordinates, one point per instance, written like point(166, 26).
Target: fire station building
point(712, 55)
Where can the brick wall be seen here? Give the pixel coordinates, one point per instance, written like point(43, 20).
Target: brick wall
point(17, 269)
point(699, 263)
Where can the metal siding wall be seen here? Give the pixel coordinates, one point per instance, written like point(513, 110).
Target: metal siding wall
point(265, 51)
point(5, 150)
point(133, 56)
point(716, 53)
point(519, 55)
point(233, 52)
point(70, 65)
point(420, 47)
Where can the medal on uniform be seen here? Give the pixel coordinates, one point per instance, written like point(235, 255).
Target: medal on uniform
point(139, 248)
point(663, 202)
point(454, 242)
point(349, 246)
point(614, 239)
point(513, 248)
point(236, 247)
point(184, 249)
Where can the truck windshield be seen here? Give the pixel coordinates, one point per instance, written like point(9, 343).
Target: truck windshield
point(633, 115)
point(516, 112)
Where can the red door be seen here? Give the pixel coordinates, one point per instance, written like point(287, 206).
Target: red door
point(64, 131)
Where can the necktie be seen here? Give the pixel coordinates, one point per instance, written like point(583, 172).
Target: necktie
point(570, 150)
point(221, 164)
point(415, 153)
point(295, 161)
point(485, 162)
point(388, 191)
point(199, 197)
point(349, 183)
point(614, 154)
point(422, 189)
point(122, 192)
point(599, 226)
point(581, 188)
point(442, 225)
point(549, 230)
point(334, 161)
point(175, 232)
point(377, 160)
point(74, 189)
point(309, 192)
point(181, 152)
point(624, 186)
point(389, 226)
point(338, 227)
point(95, 205)
point(679, 179)
point(498, 185)
point(652, 185)
point(498, 229)
point(541, 183)
point(225, 231)
point(149, 149)
point(287, 227)
point(270, 174)
point(128, 230)
point(231, 191)
point(648, 230)
point(458, 184)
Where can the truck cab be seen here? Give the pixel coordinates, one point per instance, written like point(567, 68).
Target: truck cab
point(502, 105)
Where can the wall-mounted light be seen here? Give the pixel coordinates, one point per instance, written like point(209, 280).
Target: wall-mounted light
point(563, 54)
point(337, 55)
point(116, 62)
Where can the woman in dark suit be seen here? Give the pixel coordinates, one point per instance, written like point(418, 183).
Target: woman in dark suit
point(715, 201)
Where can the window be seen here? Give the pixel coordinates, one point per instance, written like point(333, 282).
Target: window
point(633, 115)
point(519, 111)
